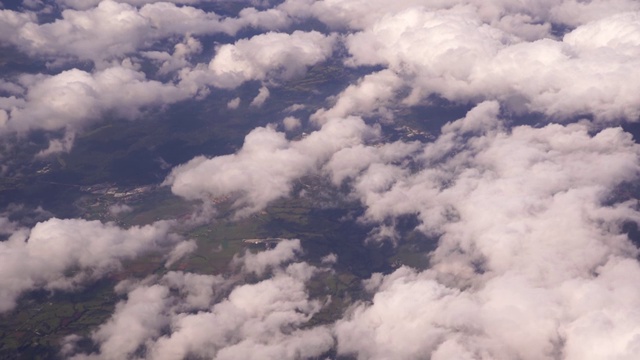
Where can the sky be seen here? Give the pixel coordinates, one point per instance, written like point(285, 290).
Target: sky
point(522, 192)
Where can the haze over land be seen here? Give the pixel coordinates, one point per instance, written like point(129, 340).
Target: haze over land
point(304, 179)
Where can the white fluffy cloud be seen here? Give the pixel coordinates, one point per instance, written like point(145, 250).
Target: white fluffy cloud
point(524, 207)
point(270, 56)
point(576, 12)
point(266, 166)
point(457, 56)
point(528, 251)
point(528, 19)
point(87, 4)
point(233, 103)
point(291, 123)
point(253, 321)
point(72, 99)
point(112, 30)
point(260, 262)
point(178, 59)
point(64, 254)
point(369, 95)
point(104, 31)
point(263, 95)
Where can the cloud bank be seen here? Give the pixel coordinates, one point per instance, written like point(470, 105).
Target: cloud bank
point(527, 254)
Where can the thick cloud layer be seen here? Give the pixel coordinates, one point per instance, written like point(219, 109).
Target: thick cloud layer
point(64, 254)
point(527, 19)
point(580, 75)
point(528, 252)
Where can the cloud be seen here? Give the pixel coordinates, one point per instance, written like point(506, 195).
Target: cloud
point(108, 30)
point(180, 251)
point(498, 167)
point(291, 123)
point(233, 103)
point(249, 323)
point(109, 33)
point(266, 166)
point(58, 145)
point(575, 13)
point(73, 99)
point(329, 259)
point(10, 20)
point(179, 59)
point(263, 95)
point(294, 108)
point(493, 60)
point(266, 57)
point(553, 77)
point(117, 209)
point(354, 14)
point(618, 33)
point(133, 321)
point(270, 58)
point(61, 254)
point(528, 20)
point(113, 30)
point(7, 227)
point(348, 163)
point(87, 4)
point(258, 263)
point(367, 97)
point(259, 320)
point(523, 229)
